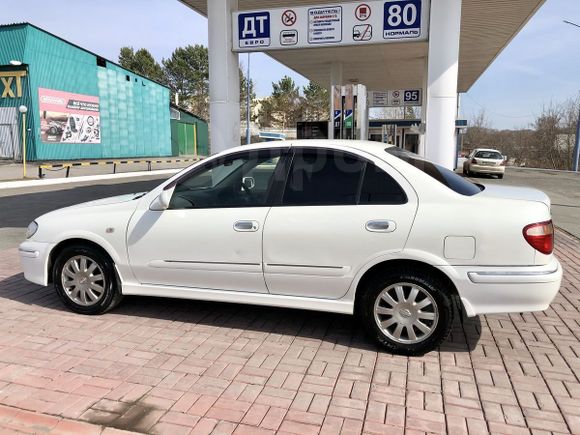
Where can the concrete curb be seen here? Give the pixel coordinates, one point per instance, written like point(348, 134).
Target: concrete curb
point(524, 168)
point(53, 181)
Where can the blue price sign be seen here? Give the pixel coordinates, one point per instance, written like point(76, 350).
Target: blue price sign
point(402, 19)
point(254, 29)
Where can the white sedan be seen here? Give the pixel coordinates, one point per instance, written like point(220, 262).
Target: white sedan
point(341, 226)
point(483, 161)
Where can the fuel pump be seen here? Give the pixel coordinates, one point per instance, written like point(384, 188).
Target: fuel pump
point(350, 112)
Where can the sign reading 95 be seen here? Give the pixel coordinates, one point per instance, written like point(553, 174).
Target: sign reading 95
point(402, 19)
point(412, 96)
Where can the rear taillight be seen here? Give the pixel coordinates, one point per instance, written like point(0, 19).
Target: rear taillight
point(502, 163)
point(540, 236)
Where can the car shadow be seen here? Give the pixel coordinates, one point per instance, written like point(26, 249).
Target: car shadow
point(478, 176)
point(334, 328)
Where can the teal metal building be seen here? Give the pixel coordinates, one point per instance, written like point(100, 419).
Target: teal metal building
point(79, 105)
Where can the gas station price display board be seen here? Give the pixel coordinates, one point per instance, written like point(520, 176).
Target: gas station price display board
point(343, 24)
point(396, 98)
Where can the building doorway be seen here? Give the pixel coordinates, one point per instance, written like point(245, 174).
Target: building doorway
point(9, 139)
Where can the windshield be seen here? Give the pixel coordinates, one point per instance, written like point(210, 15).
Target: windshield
point(488, 155)
point(446, 177)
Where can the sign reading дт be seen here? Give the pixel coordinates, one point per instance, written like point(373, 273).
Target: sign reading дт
point(357, 23)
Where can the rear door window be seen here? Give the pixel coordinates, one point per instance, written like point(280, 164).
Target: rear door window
point(327, 177)
point(323, 177)
point(380, 188)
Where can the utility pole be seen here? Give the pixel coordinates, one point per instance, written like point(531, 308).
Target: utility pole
point(576, 153)
point(248, 105)
point(23, 109)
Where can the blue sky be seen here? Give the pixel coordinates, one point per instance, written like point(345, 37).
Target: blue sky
point(541, 65)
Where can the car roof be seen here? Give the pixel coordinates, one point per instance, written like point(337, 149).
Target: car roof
point(487, 149)
point(362, 145)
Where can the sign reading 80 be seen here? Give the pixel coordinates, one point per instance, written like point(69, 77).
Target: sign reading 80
point(402, 15)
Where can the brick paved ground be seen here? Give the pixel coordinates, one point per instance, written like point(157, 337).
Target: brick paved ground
point(166, 366)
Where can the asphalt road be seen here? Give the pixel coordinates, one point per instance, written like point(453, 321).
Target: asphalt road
point(18, 207)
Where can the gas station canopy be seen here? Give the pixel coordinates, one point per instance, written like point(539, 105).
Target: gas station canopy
point(487, 27)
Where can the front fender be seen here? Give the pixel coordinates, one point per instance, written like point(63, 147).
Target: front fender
point(91, 237)
point(118, 256)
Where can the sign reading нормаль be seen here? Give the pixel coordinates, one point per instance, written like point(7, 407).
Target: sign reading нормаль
point(357, 23)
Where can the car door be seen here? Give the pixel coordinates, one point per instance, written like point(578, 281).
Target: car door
point(467, 161)
point(211, 235)
point(337, 212)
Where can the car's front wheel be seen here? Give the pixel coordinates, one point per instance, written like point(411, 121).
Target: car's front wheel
point(85, 280)
point(409, 312)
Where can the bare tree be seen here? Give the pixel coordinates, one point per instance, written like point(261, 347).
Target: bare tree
point(479, 133)
point(548, 143)
point(567, 138)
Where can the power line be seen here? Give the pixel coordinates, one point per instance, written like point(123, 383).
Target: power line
point(571, 23)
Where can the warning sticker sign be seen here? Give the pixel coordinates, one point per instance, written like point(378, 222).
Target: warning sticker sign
point(289, 18)
point(288, 37)
point(324, 25)
point(362, 12)
point(363, 32)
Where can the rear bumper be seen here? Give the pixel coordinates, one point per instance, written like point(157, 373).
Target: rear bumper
point(34, 261)
point(484, 169)
point(487, 290)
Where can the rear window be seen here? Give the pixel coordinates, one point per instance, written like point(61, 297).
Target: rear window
point(446, 177)
point(488, 155)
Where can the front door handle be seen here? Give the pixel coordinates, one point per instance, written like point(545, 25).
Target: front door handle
point(381, 226)
point(246, 226)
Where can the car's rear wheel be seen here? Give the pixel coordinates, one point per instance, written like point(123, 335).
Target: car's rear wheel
point(85, 280)
point(500, 176)
point(409, 313)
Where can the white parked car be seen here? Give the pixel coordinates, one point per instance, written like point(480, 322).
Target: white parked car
point(341, 226)
point(483, 161)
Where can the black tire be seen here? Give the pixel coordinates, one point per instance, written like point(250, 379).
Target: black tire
point(435, 287)
point(111, 295)
point(500, 177)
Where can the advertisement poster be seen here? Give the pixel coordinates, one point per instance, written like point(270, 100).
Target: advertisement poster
point(69, 118)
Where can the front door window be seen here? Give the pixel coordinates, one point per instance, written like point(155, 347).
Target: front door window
point(239, 181)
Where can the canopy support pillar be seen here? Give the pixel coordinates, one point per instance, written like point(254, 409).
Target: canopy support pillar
point(224, 77)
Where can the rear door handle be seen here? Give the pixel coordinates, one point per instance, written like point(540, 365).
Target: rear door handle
point(381, 226)
point(246, 226)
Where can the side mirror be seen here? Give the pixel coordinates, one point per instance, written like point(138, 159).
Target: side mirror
point(162, 201)
point(249, 182)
